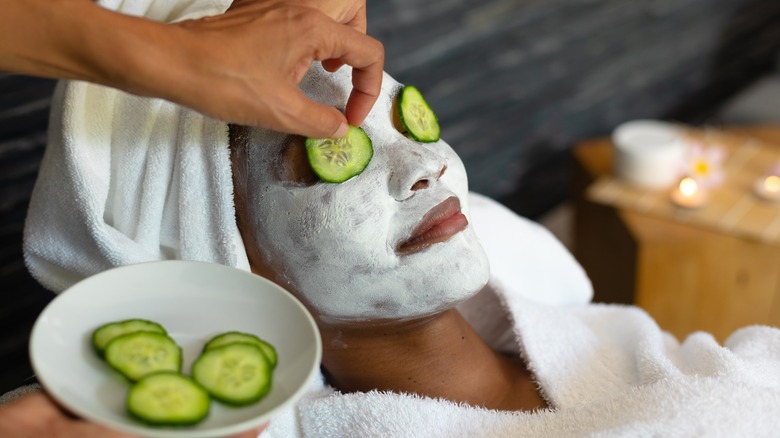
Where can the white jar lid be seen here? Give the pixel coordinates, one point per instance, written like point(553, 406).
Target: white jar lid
point(648, 153)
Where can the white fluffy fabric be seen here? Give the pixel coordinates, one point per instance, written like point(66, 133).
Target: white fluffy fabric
point(608, 371)
point(126, 179)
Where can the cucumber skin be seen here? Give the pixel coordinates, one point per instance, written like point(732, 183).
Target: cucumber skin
point(102, 351)
point(215, 342)
point(149, 422)
point(131, 379)
point(403, 120)
point(264, 390)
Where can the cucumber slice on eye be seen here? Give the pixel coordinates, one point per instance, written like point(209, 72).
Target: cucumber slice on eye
point(106, 332)
point(138, 354)
point(236, 374)
point(232, 337)
point(417, 116)
point(168, 399)
point(337, 160)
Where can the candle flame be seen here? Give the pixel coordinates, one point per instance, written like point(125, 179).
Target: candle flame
point(772, 184)
point(688, 187)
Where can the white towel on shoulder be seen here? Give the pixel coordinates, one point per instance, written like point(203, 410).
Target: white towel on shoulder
point(608, 371)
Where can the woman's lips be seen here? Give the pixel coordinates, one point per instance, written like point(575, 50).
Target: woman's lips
point(438, 225)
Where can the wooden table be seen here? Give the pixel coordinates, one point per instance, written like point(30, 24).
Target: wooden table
point(688, 278)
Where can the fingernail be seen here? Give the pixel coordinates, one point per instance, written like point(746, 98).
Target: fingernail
point(342, 131)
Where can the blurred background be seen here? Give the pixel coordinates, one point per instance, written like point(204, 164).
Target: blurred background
point(516, 84)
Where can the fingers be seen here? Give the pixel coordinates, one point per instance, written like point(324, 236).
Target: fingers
point(332, 65)
point(366, 56)
point(336, 45)
point(262, 90)
point(306, 117)
point(358, 106)
point(359, 22)
point(349, 12)
point(36, 415)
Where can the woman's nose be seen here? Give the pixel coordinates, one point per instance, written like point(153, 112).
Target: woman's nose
point(413, 169)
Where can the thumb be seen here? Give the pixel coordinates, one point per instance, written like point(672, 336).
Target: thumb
point(311, 119)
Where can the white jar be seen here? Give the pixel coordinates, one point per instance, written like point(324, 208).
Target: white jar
point(648, 153)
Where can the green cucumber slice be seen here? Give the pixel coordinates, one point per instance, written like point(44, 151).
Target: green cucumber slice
point(337, 160)
point(168, 399)
point(138, 354)
point(233, 337)
point(417, 116)
point(106, 332)
point(236, 374)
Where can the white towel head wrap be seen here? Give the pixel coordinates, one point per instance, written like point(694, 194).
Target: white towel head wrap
point(127, 179)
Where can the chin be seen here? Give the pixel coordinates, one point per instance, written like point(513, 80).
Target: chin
point(461, 271)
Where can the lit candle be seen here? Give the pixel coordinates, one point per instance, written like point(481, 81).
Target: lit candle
point(688, 194)
point(768, 188)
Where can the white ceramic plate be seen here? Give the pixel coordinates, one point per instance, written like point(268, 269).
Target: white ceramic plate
point(193, 301)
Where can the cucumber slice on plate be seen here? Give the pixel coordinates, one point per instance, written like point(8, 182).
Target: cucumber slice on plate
point(236, 374)
point(168, 399)
point(138, 354)
point(233, 337)
point(417, 116)
point(106, 332)
point(337, 160)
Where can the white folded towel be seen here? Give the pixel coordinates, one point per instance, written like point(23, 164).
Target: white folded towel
point(608, 370)
point(127, 180)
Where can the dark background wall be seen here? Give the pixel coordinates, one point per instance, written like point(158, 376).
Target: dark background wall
point(515, 84)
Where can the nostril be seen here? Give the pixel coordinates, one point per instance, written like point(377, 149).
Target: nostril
point(421, 184)
point(426, 182)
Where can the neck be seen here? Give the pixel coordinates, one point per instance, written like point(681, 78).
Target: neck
point(440, 357)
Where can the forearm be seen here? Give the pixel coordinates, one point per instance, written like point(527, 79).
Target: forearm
point(74, 39)
point(241, 66)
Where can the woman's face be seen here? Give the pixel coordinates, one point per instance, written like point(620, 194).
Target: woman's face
point(391, 243)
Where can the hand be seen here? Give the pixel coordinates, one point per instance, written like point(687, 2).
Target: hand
point(352, 13)
point(35, 416)
point(349, 12)
point(244, 66)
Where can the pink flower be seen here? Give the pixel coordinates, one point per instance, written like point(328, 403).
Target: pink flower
point(704, 164)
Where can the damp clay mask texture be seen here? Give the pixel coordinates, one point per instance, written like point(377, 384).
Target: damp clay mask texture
point(336, 245)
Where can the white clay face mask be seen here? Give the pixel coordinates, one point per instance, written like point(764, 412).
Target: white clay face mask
point(341, 246)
